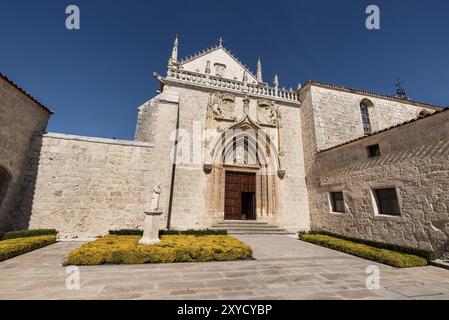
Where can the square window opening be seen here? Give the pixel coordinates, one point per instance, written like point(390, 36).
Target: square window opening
point(373, 151)
point(387, 201)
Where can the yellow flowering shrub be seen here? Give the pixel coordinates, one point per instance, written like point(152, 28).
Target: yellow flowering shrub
point(114, 249)
point(14, 247)
point(392, 258)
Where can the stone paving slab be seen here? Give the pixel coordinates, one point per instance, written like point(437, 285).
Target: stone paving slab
point(285, 268)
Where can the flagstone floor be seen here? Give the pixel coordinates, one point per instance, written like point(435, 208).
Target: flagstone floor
point(285, 268)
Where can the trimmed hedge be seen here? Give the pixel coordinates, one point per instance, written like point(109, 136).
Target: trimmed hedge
point(193, 232)
point(392, 258)
point(29, 233)
point(14, 247)
point(114, 249)
point(426, 254)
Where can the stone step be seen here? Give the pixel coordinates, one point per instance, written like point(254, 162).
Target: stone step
point(234, 227)
point(277, 232)
point(249, 227)
point(250, 222)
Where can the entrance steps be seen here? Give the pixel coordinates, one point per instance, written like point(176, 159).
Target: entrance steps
point(249, 227)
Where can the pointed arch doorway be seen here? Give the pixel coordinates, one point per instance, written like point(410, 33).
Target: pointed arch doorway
point(243, 184)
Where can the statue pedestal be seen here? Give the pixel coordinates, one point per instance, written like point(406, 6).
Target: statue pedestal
point(151, 228)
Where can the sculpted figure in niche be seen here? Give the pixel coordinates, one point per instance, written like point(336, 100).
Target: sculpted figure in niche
point(240, 155)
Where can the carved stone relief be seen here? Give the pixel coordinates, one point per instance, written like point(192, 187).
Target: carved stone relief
point(222, 107)
point(267, 113)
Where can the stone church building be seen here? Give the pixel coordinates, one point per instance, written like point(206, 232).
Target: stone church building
point(229, 149)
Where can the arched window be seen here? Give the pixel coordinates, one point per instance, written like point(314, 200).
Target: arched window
point(4, 180)
point(364, 105)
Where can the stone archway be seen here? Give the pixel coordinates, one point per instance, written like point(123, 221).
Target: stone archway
point(243, 152)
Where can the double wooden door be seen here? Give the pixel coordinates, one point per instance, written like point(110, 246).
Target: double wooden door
point(240, 196)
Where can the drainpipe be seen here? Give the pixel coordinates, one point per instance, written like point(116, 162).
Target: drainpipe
point(173, 172)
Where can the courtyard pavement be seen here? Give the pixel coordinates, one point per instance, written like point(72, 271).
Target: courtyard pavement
point(285, 268)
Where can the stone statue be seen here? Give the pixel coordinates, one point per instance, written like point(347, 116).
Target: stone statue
point(240, 155)
point(152, 220)
point(156, 196)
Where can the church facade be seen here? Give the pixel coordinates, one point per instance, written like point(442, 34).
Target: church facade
point(224, 145)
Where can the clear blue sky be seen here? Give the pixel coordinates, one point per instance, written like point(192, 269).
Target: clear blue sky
point(95, 78)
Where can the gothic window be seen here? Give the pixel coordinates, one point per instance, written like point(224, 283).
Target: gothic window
point(365, 117)
point(4, 180)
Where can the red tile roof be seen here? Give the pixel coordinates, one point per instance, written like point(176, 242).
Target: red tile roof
point(2, 76)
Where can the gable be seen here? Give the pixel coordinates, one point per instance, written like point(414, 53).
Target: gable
point(221, 63)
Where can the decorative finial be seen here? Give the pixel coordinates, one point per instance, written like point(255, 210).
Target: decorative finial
point(299, 86)
point(276, 80)
point(259, 70)
point(276, 85)
point(220, 42)
point(174, 53)
point(400, 92)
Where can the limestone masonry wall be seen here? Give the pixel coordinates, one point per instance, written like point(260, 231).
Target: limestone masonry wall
point(87, 186)
point(20, 119)
point(414, 159)
point(337, 117)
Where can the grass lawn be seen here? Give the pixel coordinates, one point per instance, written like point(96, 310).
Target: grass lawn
point(114, 249)
point(390, 257)
point(13, 247)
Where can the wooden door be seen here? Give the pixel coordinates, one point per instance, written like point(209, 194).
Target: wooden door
point(237, 187)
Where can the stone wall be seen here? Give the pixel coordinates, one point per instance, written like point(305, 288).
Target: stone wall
point(414, 159)
point(193, 189)
point(21, 118)
point(337, 118)
point(87, 186)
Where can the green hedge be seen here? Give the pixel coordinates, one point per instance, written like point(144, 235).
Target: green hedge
point(426, 254)
point(29, 233)
point(14, 247)
point(392, 258)
point(137, 232)
point(114, 249)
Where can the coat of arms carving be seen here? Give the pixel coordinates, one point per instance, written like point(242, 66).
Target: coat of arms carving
point(267, 113)
point(222, 107)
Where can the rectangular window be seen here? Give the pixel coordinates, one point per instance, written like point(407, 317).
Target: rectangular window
point(373, 151)
point(387, 201)
point(337, 202)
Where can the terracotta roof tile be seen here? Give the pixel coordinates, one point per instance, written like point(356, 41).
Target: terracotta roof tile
point(25, 93)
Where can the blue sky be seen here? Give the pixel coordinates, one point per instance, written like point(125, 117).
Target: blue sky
point(95, 78)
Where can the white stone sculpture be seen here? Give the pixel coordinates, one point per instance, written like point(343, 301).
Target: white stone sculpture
point(152, 220)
